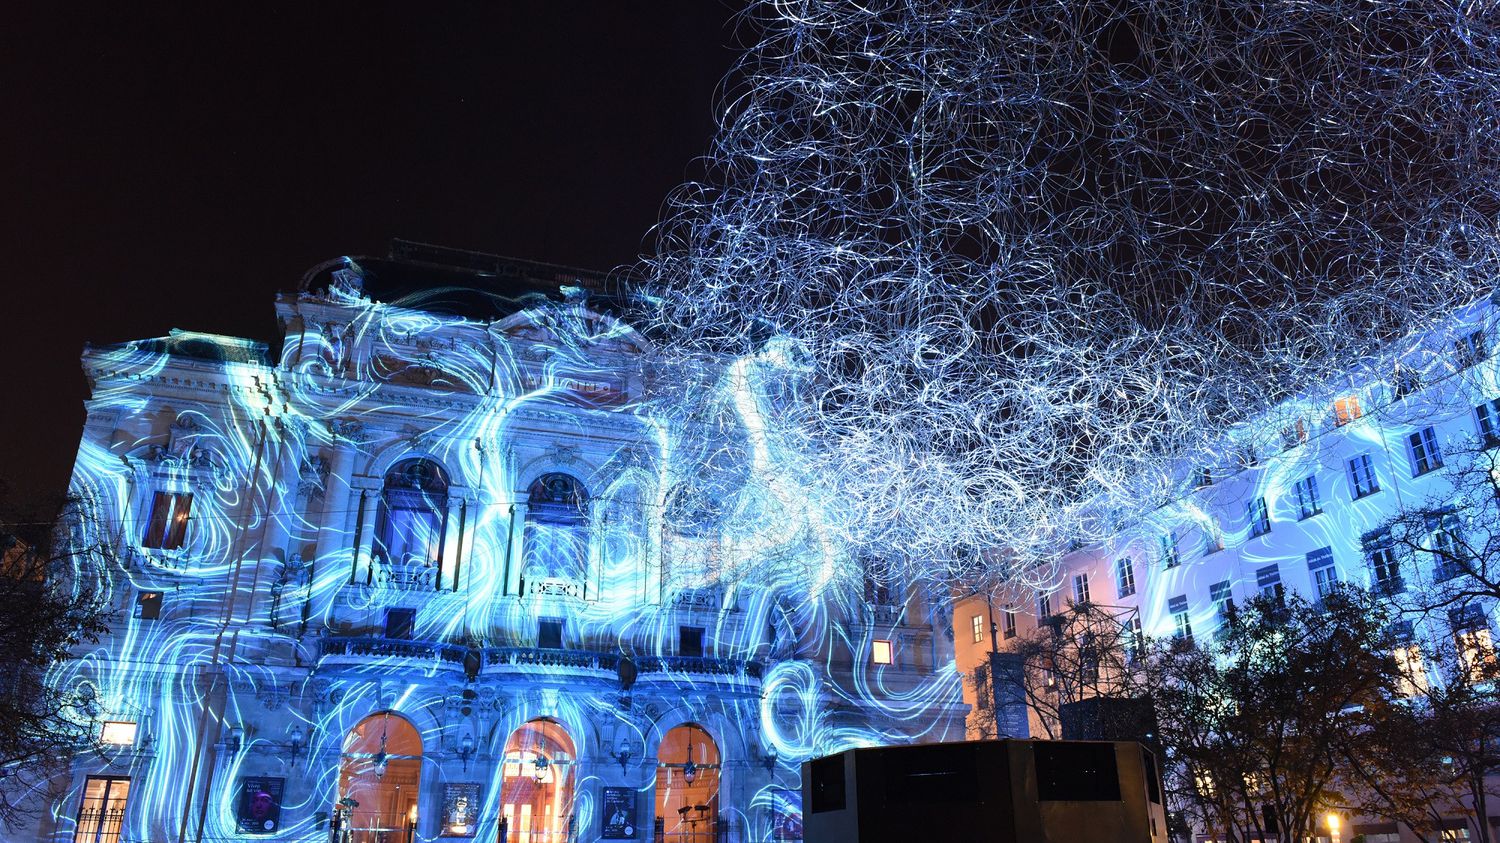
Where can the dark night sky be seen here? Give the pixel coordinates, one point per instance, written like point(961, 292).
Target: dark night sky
point(174, 167)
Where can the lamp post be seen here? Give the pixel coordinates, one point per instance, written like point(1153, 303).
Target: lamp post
point(466, 750)
point(622, 754)
point(295, 742)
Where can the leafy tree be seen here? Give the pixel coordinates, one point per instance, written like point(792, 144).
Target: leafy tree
point(1435, 751)
point(1262, 723)
point(49, 606)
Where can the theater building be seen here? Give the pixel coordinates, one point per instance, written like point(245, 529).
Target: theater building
point(445, 560)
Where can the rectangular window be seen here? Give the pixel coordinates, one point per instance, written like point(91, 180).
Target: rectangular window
point(102, 812)
point(1385, 570)
point(1413, 670)
point(167, 527)
point(1405, 382)
point(1268, 581)
point(400, 624)
point(148, 605)
point(1346, 410)
point(1487, 417)
point(1308, 502)
point(1362, 476)
point(1203, 478)
point(1220, 595)
point(1260, 517)
point(549, 633)
point(1470, 349)
point(1177, 607)
point(1043, 607)
point(977, 624)
point(1293, 435)
point(1080, 588)
point(1324, 573)
point(1471, 635)
point(1446, 546)
point(1169, 558)
point(1425, 455)
point(881, 652)
point(690, 641)
point(1010, 623)
point(1213, 540)
point(118, 733)
point(1124, 576)
point(1137, 636)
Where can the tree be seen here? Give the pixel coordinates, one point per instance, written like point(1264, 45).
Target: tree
point(1262, 723)
point(1434, 751)
point(1083, 652)
point(1445, 548)
point(49, 606)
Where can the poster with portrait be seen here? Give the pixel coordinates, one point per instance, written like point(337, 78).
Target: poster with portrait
point(619, 813)
point(460, 809)
point(260, 804)
point(786, 815)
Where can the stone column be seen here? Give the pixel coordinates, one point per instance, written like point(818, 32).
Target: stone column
point(339, 501)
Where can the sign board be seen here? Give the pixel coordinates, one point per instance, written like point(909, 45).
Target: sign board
point(619, 813)
point(260, 804)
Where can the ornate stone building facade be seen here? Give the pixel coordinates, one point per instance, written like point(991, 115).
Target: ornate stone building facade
point(452, 563)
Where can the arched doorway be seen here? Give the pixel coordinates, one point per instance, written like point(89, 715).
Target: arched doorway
point(379, 780)
point(536, 796)
point(687, 786)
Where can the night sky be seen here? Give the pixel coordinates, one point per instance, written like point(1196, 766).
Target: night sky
point(174, 167)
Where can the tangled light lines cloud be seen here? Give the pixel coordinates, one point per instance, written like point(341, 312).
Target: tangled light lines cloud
point(1018, 259)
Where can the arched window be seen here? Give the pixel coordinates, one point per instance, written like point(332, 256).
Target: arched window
point(556, 541)
point(410, 527)
point(687, 786)
point(379, 779)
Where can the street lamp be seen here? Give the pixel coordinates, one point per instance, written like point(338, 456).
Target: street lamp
point(295, 741)
point(539, 768)
point(622, 753)
point(466, 750)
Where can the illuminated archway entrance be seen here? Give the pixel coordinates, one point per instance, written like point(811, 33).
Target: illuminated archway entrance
point(687, 786)
point(379, 780)
point(536, 795)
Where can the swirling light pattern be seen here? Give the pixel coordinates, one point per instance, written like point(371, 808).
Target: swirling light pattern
point(1028, 260)
point(488, 473)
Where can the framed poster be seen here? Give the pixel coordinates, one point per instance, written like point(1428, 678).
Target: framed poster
point(460, 810)
point(618, 815)
point(786, 815)
point(260, 804)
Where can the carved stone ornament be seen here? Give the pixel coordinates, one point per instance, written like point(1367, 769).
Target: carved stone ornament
point(354, 431)
point(273, 697)
point(417, 439)
point(182, 437)
point(561, 454)
point(348, 282)
point(312, 477)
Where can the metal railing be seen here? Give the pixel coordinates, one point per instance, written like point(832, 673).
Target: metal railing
point(375, 648)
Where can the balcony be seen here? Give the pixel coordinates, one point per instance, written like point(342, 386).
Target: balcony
point(710, 598)
point(427, 655)
point(389, 652)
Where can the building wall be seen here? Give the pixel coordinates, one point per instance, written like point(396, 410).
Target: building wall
point(274, 639)
point(1211, 523)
